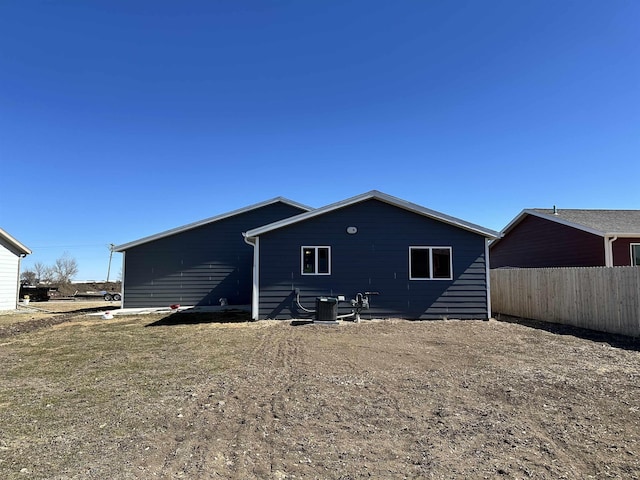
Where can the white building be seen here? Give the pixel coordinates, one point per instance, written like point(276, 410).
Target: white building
point(11, 251)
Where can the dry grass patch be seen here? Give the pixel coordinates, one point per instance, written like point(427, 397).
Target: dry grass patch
point(83, 389)
point(178, 397)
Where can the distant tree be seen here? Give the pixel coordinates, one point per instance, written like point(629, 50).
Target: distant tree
point(28, 277)
point(65, 269)
point(44, 274)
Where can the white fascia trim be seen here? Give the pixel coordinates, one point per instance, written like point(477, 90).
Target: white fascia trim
point(383, 197)
point(190, 226)
point(516, 220)
point(14, 243)
point(553, 218)
point(561, 221)
point(623, 235)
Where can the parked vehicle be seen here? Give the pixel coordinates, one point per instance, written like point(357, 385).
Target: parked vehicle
point(108, 296)
point(35, 294)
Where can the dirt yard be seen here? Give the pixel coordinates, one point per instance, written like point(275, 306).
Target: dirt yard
point(37, 315)
point(183, 396)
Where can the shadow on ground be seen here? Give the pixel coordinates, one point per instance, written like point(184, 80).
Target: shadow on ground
point(299, 323)
point(186, 318)
point(617, 341)
point(56, 318)
point(101, 308)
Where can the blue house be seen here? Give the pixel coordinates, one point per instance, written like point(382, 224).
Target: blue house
point(199, 263)
point(424, 264)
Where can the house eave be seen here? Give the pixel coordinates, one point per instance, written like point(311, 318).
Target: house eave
point(622, 234)
point(19, 247)
point(553, 218)
point(383, 197)
point(200, 223)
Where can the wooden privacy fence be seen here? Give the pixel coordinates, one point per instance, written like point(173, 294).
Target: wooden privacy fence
point(598, 298)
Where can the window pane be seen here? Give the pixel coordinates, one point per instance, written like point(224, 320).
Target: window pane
point(441, 263)
point(635, 255)
point(309, 260)
point(419, 263)
point(323, 260)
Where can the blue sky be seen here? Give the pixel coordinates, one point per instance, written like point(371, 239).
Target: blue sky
point(123, 119)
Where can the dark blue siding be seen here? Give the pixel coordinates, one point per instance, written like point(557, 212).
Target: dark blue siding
point(374, 259)
point(198, 266)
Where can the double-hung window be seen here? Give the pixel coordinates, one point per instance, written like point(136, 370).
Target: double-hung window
point(430, 263)
point(635, 254)
point(316, 260)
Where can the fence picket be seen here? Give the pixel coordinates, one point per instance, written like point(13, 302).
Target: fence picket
point(598, 298)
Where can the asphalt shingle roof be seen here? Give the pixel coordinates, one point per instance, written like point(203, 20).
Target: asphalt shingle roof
point(606, 221)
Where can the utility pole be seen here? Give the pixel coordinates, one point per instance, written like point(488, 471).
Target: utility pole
point(111, 246)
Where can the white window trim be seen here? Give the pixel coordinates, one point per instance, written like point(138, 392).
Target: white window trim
point(631, 245)
point(431, 248)
point(315, 247)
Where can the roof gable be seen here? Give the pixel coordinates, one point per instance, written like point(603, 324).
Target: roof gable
point(383, 197)
point(14, 243)
point(207, 221)
point(598, 222)
point(604, 223)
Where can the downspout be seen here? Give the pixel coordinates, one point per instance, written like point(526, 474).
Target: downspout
point(122, 289)
point(255, 291)
point(608, 250)
point(20, 257)
point(488, 276)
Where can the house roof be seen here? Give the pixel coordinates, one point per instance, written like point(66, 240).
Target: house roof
point(217, 218)
point(14, 243)
point(383, 197)
point(604, 223)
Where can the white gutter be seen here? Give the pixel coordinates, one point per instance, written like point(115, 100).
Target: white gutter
point(608, 250)
point(486, 264)
point(255, 291)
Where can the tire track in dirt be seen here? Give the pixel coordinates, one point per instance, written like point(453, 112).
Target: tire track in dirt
point(219, 440)
point(280, 361)
point(391, 401)
point(378, 404)
point(266, 371)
